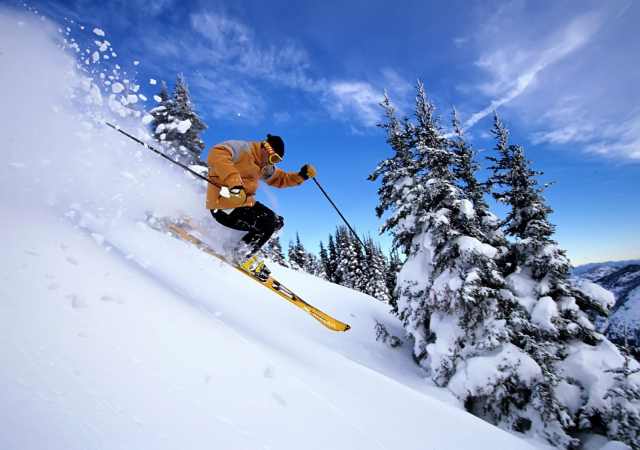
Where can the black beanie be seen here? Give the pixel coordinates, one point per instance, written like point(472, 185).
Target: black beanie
point(277, 144)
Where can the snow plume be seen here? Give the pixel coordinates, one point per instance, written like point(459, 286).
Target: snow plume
point(57, 152)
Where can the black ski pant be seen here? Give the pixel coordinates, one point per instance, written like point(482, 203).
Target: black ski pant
point(258, 221)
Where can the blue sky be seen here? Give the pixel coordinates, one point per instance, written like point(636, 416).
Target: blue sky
point(562, 74)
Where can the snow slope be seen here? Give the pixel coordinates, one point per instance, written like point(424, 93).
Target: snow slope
point(116, 336)
point(622, 278)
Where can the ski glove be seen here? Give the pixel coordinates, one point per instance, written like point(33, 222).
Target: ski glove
point(238, 195)
point(307, 171)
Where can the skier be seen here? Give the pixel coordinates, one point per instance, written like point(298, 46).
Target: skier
point(235, 169)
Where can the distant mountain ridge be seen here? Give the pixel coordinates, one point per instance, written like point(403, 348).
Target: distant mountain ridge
point(622, 278)
point(592, 271)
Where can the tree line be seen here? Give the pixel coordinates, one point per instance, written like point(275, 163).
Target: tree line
point(344, 261)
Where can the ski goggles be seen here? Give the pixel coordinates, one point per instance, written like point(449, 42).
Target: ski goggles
point(273, 157)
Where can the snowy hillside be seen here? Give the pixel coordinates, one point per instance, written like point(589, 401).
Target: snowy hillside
point(117, 336)
point(622, 278)
point(624, 325)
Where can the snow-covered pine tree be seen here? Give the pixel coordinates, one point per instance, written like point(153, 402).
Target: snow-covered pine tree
point(332, 266)
point(398, 177)
point(297, 254)
point(375, 273)
point(360, 267)
point(465, 170)
point(273, 251)
point(185, 137)
point(457, 300)
point(176, 125)
point(349, 264)
point(618, 411)
point(552, 320)
point(391, 273)
point(325, 264)
point(312, 265)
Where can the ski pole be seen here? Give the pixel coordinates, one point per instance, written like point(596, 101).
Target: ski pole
point(144, 144)
point(336, 208)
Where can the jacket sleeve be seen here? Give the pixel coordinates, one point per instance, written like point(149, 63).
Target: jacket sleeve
point(220, 162)
point(281, 179)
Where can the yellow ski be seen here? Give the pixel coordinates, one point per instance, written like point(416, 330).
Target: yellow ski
point(271, 283)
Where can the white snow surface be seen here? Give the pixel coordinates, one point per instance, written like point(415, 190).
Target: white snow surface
point(604, 297)
point(545, 310)
point(627, 317)
point(521, 283)
point(466, 208)
point(183, 126)
point(117, 336)
point(473, 374)
point(473, 245)
point(588, 366)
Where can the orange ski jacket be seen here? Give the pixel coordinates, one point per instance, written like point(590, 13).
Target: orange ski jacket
point(242, 163)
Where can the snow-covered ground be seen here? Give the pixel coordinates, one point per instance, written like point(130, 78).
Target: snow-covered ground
point(116, 336)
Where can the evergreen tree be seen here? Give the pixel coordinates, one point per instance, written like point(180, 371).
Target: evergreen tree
point(398, 178)
point(391, 275)
point(465, 168)
point(552, 319)
point(533, 250)
point(312, 265)
point(176, 124)
point(297, 254)
point(457, 296)
point(325, 264)
point(273, 251)
point(359, 267)
point(375, 283)
point(186, 135)
point(619, 408)
point(332, 265)
point(349, 266)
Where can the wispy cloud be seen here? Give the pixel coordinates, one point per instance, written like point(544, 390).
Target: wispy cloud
point(359, 101)
point(571, 124)
point(233, 44)
point(230, 61)
point(356, 99)
point(571, 83)
point(617, 141)
point(224, 43)
point(513, 70)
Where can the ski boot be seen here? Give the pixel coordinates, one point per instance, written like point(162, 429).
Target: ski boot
point(257, 268)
